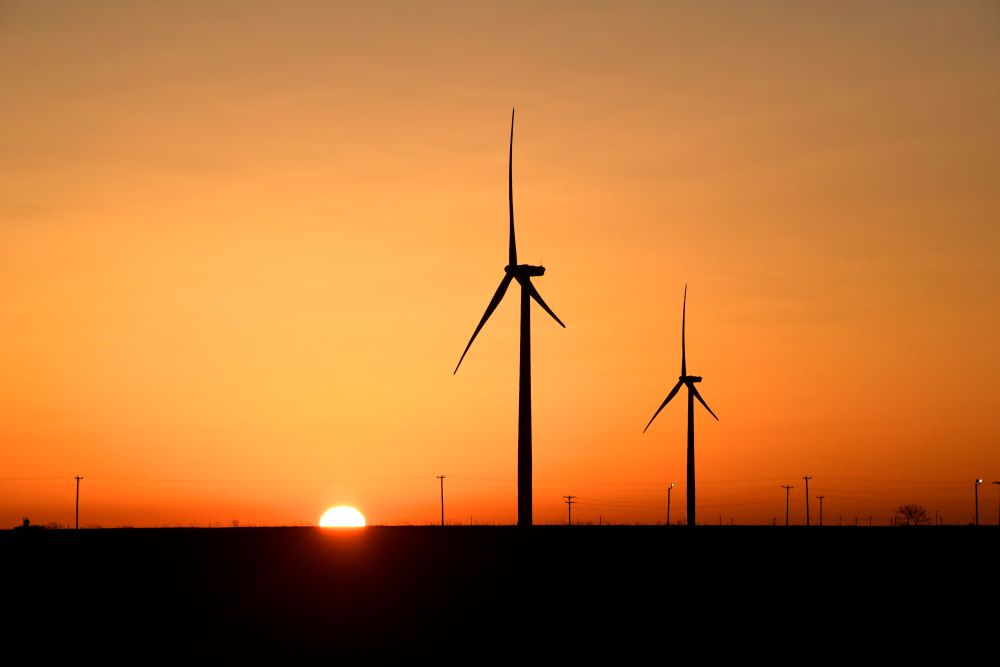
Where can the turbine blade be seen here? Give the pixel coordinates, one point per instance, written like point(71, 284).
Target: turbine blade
point(683, 319)
point(541, 302)
point(494, 302)
point(512, 257)
point(673, 392)
point(702, 400)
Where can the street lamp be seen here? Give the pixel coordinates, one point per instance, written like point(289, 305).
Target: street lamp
point(670, 488)
point(978, 482)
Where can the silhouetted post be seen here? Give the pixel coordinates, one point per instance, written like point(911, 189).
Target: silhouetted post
point(807, 478)
point(936, 521)
point(669, 489)
point(978, 482)
point(524, 417)
point(788, 490)
point(821, 510)
point(569, 509)
point(441, 477)
point(998, 503)
point(690, 461)
point(78, 478)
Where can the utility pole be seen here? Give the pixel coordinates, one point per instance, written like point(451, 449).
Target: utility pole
point(441, 477)
point(998, 503)
point(78, 478)
point(788, 490)
point(936, 522)
point(569, 509)
point(820, 510)
point(671, 488)
point(978, 482)
point(807, 478)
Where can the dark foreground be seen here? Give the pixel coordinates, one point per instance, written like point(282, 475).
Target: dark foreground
point(483, 594)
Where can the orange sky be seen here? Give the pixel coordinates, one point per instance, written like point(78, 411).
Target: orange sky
point(243, 245)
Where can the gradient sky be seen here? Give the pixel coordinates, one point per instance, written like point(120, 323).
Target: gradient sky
point(243, 244)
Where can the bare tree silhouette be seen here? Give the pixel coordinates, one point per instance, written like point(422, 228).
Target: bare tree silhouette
point(914, 515)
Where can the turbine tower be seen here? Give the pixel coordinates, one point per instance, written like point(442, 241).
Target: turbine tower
point(522, 273)
point(688, 381)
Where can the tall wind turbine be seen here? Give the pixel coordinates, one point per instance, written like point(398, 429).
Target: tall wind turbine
point(689, 381)
point(522, 273)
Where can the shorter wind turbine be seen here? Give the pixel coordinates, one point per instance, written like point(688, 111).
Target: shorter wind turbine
point(688, 381)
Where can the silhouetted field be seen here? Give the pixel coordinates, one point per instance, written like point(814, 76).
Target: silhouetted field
point(483, 594)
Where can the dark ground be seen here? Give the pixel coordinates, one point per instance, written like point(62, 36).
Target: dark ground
point(485, 594)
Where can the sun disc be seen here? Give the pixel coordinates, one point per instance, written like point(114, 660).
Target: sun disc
point(342, 516)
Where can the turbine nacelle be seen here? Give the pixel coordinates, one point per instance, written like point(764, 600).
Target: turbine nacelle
point(690, 378)
point(521, 271)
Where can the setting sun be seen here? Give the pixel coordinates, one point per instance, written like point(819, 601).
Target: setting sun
point(342, 516)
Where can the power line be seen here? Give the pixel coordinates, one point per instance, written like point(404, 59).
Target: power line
point(868, 480)
point(342, 480)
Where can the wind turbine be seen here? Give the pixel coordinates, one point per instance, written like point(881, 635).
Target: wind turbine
point(689, 381)
point(522, 273)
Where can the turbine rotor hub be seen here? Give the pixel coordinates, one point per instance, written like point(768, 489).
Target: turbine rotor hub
point(524, 270)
